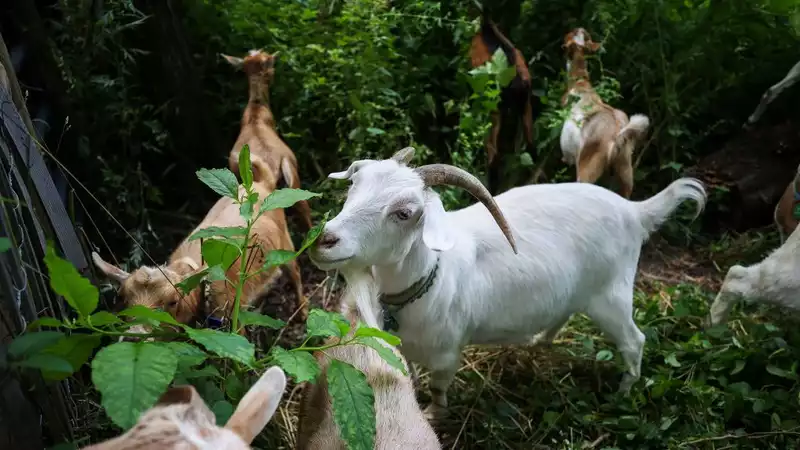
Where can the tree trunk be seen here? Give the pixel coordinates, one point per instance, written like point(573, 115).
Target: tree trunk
point(754, 167)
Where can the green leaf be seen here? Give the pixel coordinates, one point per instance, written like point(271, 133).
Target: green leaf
point(188, 354)
point(234, 388)
point(313, 234)
point(46, 362)
point(375, 131)
point(65, 280)
point(31, 343)
point(44, 322)
point(738, 367)
point(253, 318)
point(278, 258)
point(75, 349)
point(143, 312)
point(247, 206)
point(284, 198)
point(225, 232)
point(216, 273)
point(385, 352)
point(203, 372)
point(217, 252)
point(223, 411)
point(101, 318)
point(5, 244)
point(353, 405)
point(191, 282)
point(221, 181)
point(672, 360)
point(227, 345)
point(326, 324)
point(525, 159)
point(131, 377)
point(298, 364)
point(777, 371)
point(364, 330)
point(245, 171)
point(604, 355)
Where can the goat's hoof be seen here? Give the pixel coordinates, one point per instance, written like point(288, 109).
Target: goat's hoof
point(434, 413)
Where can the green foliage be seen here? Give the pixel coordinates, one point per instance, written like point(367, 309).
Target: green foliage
point(131, 377)
point(66, 281)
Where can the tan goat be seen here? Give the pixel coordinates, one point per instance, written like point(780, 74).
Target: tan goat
point(596, 136)
point(182, 421)
point(785, 219)
point(400, 423)
point(154, 287)
point(258, 126)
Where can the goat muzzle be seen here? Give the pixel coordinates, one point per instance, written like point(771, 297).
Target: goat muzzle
point(446, 175)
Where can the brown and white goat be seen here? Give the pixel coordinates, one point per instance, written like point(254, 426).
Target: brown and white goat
point(181, 420)
point(515, 99)
point(596, 136)
point(400, 422)
point(154, 287)
point(258, 126)
point(785, 219)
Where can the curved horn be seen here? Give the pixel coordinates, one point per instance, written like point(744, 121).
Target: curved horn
point(443, 174)
point(404, 156)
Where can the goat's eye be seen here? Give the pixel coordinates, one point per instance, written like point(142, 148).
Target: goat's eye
point(402, 214)
point(172, 304)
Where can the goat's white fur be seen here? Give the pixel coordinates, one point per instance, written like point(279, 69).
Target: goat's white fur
point(792, 77)
point(579, 247)
point(400, 423)
point(774, 280)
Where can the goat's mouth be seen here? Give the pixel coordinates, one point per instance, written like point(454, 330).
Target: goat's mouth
point(327, 264)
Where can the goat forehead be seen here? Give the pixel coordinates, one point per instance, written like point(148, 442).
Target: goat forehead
point(383, 180)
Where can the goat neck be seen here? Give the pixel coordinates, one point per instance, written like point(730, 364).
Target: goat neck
point(396, 278)
point(258, 109)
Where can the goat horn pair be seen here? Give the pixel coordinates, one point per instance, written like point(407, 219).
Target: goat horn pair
point(446, 175)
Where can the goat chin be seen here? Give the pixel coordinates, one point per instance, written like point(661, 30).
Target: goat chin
point(773, 281)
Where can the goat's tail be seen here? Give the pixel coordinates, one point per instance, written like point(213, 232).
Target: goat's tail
point(632, 133)
point(656, 209)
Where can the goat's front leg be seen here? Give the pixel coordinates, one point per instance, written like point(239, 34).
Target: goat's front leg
point(442, 375)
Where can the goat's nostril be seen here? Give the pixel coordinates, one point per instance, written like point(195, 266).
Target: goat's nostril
point(327, 240)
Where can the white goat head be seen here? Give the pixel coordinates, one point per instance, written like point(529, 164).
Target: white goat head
point(182, 421)
point(389, 207)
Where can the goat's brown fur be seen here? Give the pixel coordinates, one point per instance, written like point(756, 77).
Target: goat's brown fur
point(180, 420)
point(784, 210)
point(258, 127)
point(155, 287)
point(608, 136)
point(516, 97)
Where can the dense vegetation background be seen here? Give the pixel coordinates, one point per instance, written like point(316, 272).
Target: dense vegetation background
point(150, 101)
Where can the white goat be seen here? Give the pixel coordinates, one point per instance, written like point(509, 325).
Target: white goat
point(774, 280)
point(449, 279)
point(400, 423)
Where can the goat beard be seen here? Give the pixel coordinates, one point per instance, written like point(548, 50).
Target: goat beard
point(361, 294)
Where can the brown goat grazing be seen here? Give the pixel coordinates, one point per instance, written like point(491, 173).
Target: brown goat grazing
point(154, 287)
point(258, 126)
point(515, 99)
point(785, 219)
point(596, 136)
point(181, 420)
point(400, 423)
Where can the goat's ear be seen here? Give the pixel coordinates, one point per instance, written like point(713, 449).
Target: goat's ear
point(404, 156)
point(436, 231)
point(258, 405)
point(289, 173)
point(233, 60)
point(113, 272)
point(354, 167)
